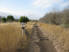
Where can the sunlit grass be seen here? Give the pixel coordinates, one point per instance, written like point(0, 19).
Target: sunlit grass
point(11, 34)
point(58, 35)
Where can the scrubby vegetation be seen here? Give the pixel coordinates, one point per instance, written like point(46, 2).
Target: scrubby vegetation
point(57, 17)
point(11, 18)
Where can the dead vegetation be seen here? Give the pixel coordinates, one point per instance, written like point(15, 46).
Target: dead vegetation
point(58, 35)
point(11, 34)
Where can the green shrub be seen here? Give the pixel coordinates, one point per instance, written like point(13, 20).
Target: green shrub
point(3, 19)
point(10, 18)
point(24, 19)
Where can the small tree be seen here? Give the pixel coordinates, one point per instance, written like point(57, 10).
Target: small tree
point(24, 19)
point(10, 18)
point(0, 18)
point(3, 19)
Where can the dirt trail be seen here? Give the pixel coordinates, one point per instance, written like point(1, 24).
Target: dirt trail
point(39, 43)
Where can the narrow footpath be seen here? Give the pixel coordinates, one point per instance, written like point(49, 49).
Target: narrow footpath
point(39, 43)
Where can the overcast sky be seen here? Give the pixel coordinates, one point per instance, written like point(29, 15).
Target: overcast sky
point(34, 9)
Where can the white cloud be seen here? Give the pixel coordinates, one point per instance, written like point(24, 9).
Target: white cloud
point(31, 14)
point(36, 13)
point(41, 3)
point(5, 10)
point(65, 4)
point(47, 3)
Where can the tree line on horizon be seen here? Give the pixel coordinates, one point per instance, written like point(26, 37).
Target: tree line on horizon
point(56, 17)
point(11, 18)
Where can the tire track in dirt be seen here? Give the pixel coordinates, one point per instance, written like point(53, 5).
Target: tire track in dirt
point(39, 43)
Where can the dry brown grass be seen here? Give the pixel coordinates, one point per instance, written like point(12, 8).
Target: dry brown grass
point(10, 35)
point(58, 35)
point(29, 26)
